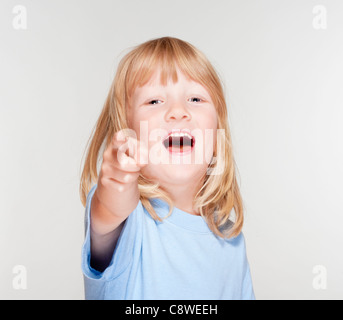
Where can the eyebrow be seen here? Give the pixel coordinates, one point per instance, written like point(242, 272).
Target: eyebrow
point(156, 92)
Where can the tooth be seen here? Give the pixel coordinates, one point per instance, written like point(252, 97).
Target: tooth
point(180, 134)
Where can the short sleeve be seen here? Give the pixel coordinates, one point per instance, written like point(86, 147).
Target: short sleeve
point(128, 243)
point(248, 291)
point(247, 285)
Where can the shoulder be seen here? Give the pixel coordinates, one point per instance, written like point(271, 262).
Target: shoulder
point(237, 241)
point(225, 229)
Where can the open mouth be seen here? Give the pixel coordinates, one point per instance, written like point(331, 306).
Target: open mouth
point(179, 142)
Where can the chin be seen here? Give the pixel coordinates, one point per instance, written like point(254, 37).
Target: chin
point(174, 173)
point(182, 173)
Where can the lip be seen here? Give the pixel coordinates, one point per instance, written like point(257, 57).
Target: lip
point(177, 130)
point(180, 131)
point(181, 153)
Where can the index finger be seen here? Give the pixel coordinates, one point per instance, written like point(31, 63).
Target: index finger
point(124, 161)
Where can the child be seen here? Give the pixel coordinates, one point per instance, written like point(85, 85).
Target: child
point(157, 217)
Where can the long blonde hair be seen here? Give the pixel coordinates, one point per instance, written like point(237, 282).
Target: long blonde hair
point(219, 193)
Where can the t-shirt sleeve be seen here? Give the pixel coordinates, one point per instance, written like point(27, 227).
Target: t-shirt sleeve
point(128, 244)
point(248, 291)
point(247, 285)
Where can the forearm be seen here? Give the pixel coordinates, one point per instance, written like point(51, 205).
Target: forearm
point(106, 226)
point(102, 247)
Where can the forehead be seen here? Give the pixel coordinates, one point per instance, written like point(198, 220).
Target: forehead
point(158, 81)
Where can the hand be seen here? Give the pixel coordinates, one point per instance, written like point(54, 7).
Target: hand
point(120, 171)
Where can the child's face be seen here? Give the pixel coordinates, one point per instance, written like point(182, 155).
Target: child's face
point(156, 110)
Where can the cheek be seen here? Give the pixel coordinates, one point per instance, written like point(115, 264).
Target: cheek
point(139, 123)
point(210, 121)
point(148, 130)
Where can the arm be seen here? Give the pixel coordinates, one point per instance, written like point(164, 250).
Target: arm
point(116, 196)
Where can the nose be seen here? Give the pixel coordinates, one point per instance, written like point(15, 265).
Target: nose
point(177, 111)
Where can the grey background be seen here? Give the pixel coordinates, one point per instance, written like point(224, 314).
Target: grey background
point(283, 80)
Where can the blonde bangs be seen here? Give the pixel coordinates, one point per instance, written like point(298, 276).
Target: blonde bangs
point(168, 54)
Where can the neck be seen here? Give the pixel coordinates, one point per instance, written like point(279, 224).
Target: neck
point(182, 196)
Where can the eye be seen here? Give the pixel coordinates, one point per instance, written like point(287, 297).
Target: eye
point(153, 101)
point(196, 98)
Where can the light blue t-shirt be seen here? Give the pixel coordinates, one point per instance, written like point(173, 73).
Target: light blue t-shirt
point(177, 259)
